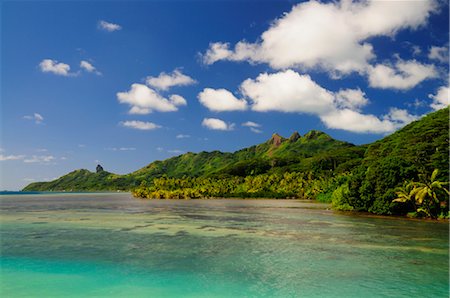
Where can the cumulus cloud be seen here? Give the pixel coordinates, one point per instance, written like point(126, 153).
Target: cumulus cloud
point(332, 36)
point(39, 159)
point(141, 125)
point(217, 124)
point(36, 117)
point(165, 81)
point(220, 100)
point(438, 53)
point(400, 117)
point(11, 157)
point(440, 99)
point(89, 67)
point(351, 98)
point(355, 121)
point(55, 67)
point(144, 100)
point(107, 26)
point(403, 76)
point(177, 100)
point(287, 91)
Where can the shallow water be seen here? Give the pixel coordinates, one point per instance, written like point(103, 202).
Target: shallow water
point(111, 245)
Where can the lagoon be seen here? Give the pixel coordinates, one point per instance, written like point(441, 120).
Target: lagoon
point(112, 245)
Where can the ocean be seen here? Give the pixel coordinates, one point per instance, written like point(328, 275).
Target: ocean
point(113, 245)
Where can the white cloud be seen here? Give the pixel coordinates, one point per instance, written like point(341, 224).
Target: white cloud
point(55, 67)
point(181, 136)
point(11, 157)
point(351, 98)
point(220, 100)
point(140, 125)
point(39, 159)
point(36, 117)
point(255, 130)
point(177, 100)
point(327, 35)
point(165, 81)
point(217, 51)
point(404, 75)
point(144, 100)
point(438, 53)
point(440, 99)
point(110, 27)
point(89, 67)
point(251, 124)
point(121, 149)
point(400, 117)
point(217, 124)
point(416, 50)
point(287, 91)
point(254, 127)
point(355, 121)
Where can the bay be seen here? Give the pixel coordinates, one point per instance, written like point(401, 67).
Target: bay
point(112, 245)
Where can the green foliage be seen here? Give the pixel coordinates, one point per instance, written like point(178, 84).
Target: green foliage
point(340, 197)
point(287, 185)
point(301, 154)
point(429, 198)
point(315, 166)
point(406, 155)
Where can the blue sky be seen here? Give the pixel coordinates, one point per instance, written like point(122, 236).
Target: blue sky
point(127, 83)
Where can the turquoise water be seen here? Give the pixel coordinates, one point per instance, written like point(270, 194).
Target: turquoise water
point(111, 245)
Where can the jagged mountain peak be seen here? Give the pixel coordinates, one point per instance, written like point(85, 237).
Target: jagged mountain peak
point(314, 134)
point(276, 140)
point(294, 136)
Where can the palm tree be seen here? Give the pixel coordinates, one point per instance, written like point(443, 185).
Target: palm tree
point(427, 197)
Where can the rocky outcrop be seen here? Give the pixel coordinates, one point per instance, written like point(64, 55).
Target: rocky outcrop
point(294, 137)
point(99, 169)
point(276, 140)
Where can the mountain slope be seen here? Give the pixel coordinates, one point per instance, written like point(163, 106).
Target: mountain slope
point(411, 153)
point(376, 169)
point(277, 153)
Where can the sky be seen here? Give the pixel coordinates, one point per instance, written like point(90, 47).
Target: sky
point(125, 83)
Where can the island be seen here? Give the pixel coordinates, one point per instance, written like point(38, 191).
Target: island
point(405, 173)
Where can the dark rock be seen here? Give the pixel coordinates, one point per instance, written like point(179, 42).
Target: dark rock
point(294, 137)
point(99, 169)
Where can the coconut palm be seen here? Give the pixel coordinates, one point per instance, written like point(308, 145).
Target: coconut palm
point(426, 196)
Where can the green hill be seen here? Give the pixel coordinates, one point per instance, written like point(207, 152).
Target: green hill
point(277, 154)
point(314, 166)
point(411, 153)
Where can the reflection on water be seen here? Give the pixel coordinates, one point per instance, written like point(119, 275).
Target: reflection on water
point(114, 245)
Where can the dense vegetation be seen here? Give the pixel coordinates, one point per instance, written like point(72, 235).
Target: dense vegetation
point(287, 185)
point(383, 177)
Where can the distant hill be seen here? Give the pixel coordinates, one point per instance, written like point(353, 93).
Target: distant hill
point(368, 174)
point(313, 151)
